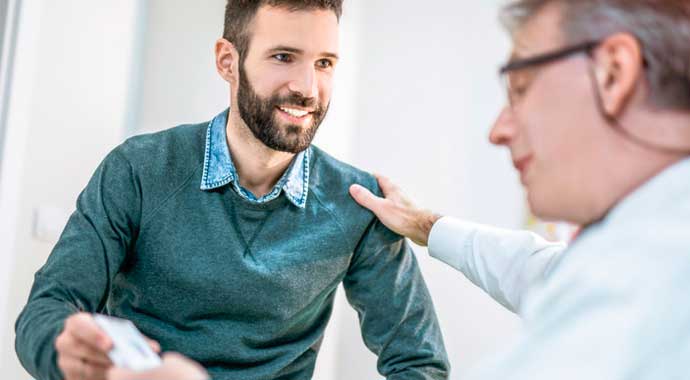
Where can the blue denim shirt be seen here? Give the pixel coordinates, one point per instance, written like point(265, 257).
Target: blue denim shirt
point(219, 169)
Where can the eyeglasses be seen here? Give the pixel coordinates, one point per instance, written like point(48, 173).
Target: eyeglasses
point(518, 74)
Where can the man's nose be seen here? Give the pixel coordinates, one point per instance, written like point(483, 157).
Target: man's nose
point(304, 82)
point(504, 128)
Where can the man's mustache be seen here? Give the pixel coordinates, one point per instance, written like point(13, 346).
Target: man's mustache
point(298, 100)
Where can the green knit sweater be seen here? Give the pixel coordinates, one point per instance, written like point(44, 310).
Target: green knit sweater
point(244, 288)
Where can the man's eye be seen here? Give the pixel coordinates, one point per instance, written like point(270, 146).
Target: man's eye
point(286, 58)
point(324, 64)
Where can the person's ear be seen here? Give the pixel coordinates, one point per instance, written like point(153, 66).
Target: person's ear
point(227, 61)
point(618, 69)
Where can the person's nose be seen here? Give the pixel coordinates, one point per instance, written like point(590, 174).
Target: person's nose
point(504, 128)
point(305, 82)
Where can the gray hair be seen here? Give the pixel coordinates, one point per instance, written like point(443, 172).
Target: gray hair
point(661, 26)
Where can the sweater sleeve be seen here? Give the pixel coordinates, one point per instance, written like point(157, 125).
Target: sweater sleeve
point(397, 318)
point(503, 263)
point(79, 270)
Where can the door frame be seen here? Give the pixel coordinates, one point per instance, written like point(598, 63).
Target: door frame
point(9, 21)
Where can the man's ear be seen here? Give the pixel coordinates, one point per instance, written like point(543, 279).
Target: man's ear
point(227, 61)
point(618, 69)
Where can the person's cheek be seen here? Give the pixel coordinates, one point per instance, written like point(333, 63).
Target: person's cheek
point(325, 88)
point(271, 80)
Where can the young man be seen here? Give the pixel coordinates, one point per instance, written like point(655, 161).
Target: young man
point(598, 124)
point(226, 240)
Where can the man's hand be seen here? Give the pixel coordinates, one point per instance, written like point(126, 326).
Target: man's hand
point(396, 211)
point(174, 367)
point(82, 349)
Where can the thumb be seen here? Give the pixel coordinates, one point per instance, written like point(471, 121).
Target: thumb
point(366, 198)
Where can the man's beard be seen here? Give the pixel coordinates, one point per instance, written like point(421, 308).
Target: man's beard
point(259, 115)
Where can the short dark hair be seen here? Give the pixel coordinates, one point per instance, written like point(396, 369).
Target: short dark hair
point(661, 26)
point(240, 13)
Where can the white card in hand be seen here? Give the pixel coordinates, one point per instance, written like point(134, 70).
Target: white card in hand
point(130, 349)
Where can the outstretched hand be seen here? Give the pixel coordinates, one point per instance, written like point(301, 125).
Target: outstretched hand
point(396, 211)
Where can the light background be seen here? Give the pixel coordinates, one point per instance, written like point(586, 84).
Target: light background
point(416, 93)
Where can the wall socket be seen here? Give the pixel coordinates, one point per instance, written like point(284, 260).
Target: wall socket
point(49, 222)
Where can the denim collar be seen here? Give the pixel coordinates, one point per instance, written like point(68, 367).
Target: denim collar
point(219, 169)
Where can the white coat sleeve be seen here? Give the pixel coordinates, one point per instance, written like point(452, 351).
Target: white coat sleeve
point(504, 263)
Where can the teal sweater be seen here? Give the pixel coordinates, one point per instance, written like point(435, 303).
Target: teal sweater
point(246, 289)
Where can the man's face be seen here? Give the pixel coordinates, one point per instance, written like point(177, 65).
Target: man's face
point(286, 77)
point(554, 129)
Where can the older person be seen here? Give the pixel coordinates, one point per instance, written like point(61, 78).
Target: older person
point(598, 125)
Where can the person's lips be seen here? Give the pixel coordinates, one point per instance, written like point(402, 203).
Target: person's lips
point(294, 114)
point(522, 164)
point(295, 111)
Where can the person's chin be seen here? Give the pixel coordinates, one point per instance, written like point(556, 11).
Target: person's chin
point(546, 207)
point(538, 202)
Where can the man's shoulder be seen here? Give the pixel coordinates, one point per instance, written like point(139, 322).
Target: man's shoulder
point(329, 182)
point(166, 159)
point(331, 173)
point(183, 141)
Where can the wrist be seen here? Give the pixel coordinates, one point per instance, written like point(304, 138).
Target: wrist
point(425, 222)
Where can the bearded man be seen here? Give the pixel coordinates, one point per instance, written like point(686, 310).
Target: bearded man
point(226, 240)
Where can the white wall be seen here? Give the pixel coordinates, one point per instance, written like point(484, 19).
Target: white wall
point(68, 109)
point(179, 83)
